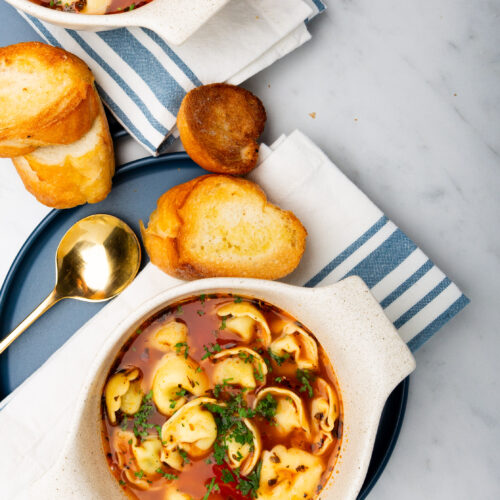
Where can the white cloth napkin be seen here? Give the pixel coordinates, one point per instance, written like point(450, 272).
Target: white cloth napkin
point(142, 80)
point(348, 234)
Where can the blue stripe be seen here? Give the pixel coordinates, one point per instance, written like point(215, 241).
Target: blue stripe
point(406, 284)
point(119, 80)
point(433, 327)
point(175, 58)
point(146, 65)
point(347, 252)
point(445, 283)
point(124, 119)
point(45, 33)
point(384, 259)
point(319, 5)
point(105, 96)
point(162, 148)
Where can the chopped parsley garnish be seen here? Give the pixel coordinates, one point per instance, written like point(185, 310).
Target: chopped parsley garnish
point(138, 331)
point(258, 373)
point(220, 387)
point(184, 456)
point(179, 346)
point(223, 323)
point(266, 407)
point(219, 453)
point(203, 298)
point(211, 350)
point(230, 425)
point(179, 307)
point(139, 474)
point(250, 485)
point(278, 379)
point(227, 477)
point(124, 422)
point(279, 360)
point(141, 423)
point(200, 312)
point(305, 377)
point(158, 430)
point(211, 487)
point(181, 392)
point(245, 356)
point(122, 482)
point(237, 299)
point(167, 475)
point(198, 369)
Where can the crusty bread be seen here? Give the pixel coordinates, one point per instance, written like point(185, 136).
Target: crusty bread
point(47, 97)
point(218, 225)
point(69, 175)
point(219, 125)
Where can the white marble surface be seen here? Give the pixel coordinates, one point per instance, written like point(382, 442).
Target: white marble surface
point(407, 103)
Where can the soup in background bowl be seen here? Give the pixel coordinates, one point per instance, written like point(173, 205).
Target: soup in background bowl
point(92, 6)
point(221, 396)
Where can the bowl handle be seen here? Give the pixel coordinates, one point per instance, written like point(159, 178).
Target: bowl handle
point(372, 335)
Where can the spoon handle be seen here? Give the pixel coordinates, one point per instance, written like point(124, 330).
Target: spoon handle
point(46, 304)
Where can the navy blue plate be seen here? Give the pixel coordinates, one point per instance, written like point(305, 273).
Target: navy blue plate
point(136, 188)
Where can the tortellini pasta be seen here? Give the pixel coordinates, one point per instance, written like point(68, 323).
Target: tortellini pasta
point(325, 406)
point(290, 413)
point(174, 378)
point(191, 432)
point(123, 392)
point(295, 341)
point(245, 320)
point(239, 366)
point(146, 454)
point(173, 493)
point(324, 412)
point(169, 335)
point(289, 473)
point(244, 456)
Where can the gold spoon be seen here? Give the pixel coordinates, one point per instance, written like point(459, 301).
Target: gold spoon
point(97, 258)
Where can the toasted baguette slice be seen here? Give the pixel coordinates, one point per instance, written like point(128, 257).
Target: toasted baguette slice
point(219, 125)
point(47, 97)
point(70, 175)
point(218, 225)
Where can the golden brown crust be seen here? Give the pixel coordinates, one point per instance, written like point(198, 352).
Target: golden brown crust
point(47, 97)
point(217, 225)
point(69, 175)
point(219, 125)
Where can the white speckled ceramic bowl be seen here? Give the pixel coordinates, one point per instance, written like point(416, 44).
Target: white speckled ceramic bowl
point(173, 20)
point(367, 354)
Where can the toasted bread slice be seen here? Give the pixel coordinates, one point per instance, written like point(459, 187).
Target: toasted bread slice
point(219, 125)
point(47, 97)
point(69, 175)
point(218, 225)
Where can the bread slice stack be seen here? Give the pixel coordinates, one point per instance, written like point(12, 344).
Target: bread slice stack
point(218, 225)
point(53, 126)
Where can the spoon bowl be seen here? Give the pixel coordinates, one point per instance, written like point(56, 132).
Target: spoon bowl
point(97, 258)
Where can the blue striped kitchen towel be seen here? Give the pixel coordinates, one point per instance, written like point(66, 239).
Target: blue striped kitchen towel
point(142, 80)
point(347, 235)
